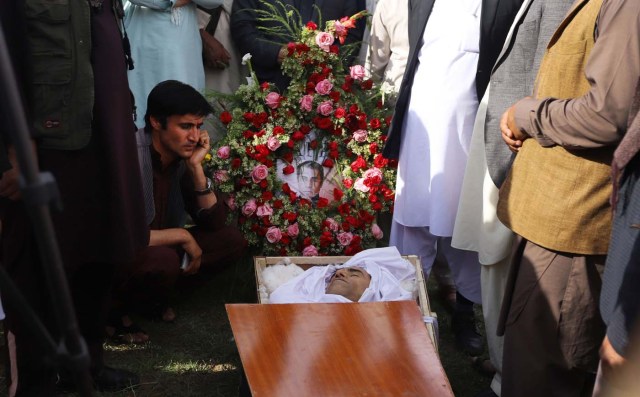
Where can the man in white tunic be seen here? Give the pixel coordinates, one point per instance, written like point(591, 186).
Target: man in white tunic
point(451, 46)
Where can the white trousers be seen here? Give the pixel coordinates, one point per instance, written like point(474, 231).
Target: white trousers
point(464, 265)
point(494, 280)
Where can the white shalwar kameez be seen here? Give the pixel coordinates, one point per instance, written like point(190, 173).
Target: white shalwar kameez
point(436, 136)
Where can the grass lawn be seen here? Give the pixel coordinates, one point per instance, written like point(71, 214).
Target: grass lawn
point(196, 355)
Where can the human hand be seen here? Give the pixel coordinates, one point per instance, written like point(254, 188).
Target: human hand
point(181, 3)
point(9, 186)
point(191, 247)
point(9, 182)
point(511, 134)
point(201, 150)
point(215, 55)
point(610, 361)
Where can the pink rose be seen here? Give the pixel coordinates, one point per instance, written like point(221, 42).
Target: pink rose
point(306, 103)
point(221, 176)
point(357, 72)
point(360, 135)
point(264, 210)
point(345, 238)
point(273, 143)
point(272, 100)
point(376, 231)
point(324, 87)
point(310, 250)
point(372, 173)
point(259, 173)
point(325, 108)
point(223, 152)
point(340, 28)
point(249, 207)
point(359, 185)
point(293, 230)
point(273, 234)
point(333, 225)
point(324, 40)
point(231, 202)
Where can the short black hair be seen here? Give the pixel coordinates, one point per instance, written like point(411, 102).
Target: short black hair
point(172, 97)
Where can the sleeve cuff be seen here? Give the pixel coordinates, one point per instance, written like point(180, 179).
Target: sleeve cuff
point(525, 115)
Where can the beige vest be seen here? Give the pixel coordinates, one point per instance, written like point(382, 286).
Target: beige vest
point(553, 197)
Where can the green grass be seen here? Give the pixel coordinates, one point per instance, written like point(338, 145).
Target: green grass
point(196, 355)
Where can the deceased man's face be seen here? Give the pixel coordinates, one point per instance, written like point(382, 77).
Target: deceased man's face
point(349, 282)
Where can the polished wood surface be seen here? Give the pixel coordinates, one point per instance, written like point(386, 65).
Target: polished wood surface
point(337, 349)
point(305, 262)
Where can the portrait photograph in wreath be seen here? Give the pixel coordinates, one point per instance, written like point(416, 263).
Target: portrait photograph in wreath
point(302, 167)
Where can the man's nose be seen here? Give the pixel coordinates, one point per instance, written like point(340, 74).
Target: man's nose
point(341, 273)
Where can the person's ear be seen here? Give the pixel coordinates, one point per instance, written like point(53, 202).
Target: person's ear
point(155, 124)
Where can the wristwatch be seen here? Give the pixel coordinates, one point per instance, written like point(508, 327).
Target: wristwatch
point(206, 190)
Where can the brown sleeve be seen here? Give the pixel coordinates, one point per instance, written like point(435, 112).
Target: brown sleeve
point(598, 118)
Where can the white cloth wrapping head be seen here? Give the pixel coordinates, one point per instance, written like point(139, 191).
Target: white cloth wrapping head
point(392, 278)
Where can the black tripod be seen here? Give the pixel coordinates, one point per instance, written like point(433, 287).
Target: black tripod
point(39, 192)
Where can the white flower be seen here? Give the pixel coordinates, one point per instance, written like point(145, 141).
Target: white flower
point(249, 80)
point(246, 58)
point(386, 88)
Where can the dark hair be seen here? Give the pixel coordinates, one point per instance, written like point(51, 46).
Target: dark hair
point(314, 165)
point(172, 97)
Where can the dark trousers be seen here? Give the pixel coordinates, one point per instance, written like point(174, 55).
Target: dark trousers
point(148, 282)
point(551, 322)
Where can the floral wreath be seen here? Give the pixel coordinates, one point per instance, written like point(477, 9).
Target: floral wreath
point(327, 116)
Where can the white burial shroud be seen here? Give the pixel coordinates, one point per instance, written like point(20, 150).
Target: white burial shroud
point(392, 278)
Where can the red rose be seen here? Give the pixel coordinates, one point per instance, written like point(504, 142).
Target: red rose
point(367, 84)
point(286, 188)
point(358, 164)
point(247, 134)
point(264, 86)
point(307, 241)
point(263, 184)
point(328, 163)
point(298, 136)
point(334, 49)
point(333, 145)
point(323, 123)
point(305, 129)
point(283, 251)
point(292, 197)
point(248, 116)
point(375, 123)
point(373, 198)
point(277, 130)
point(322, 202)
point(288, 170)
point(243, 182)
point(380, 162)
point(387, 120)
point(288, 157)
point(235, 163)
point(337, 194)
point(344, 209)
point(311, 25)
point(340, 113)
point(334, 95)
point(291, 47)
point(278, 204)
point(290, 216)
point(266, 196)
point(377, 206)
point(290, 143)
point(347, 183)
point(313, 144)
point(334, 154)
point(353, 109)
point(373, 148)
point(225, 117)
